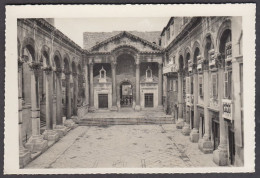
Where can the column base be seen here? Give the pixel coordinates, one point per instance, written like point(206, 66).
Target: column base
point(180, 123)
point(70, 124)
point(50, 135)
point(113, 108)
point(24, 157)
point(194, 135)
point(186, 129)
point(36, 143)
point(61, 130)
point(91, 109)
point(205, 146)
point(75, 119)
point(137, 108)
point(220, 156)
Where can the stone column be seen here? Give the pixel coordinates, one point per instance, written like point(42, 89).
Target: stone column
point(160, 86)
point(86, 85)
point(180, 121)
point(205, 144)
point(69, 122)
point(59, 128)
point(91, 81)
point(114, 97)
point(36, 143)
point(75, 93)
point(186, 128)
point(194, 135)
point(49, 133)
point(68, 94)
point(220, 156)
point(24, 154)
point(137, 82)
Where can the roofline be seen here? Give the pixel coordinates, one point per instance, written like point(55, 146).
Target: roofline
point(193, 21)
point(168, 24)
point(125, 32)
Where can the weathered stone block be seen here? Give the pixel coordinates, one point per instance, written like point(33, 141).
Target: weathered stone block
point(36, 143)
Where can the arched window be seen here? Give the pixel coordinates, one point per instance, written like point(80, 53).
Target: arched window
point(102, 75)
point(149, 74)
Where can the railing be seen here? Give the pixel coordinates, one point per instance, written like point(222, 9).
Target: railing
point(170, 68)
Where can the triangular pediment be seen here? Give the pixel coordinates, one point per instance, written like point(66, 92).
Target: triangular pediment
point(125, 39)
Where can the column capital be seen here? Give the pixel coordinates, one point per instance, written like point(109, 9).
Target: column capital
point(47, 70)
point(74, 74)
point(20, 61)
point(113, 63)
point(66, 72)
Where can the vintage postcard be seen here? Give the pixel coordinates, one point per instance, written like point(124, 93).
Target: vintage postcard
point(130, 89)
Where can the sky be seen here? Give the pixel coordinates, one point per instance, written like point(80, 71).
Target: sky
point(74, 28)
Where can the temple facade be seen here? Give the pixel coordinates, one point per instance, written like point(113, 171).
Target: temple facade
point(192, 70)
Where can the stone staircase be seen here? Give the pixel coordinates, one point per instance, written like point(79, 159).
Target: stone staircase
point(125, 117)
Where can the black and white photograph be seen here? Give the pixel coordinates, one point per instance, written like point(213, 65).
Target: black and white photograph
point(123, 93)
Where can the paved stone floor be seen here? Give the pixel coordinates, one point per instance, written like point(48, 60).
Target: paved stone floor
point(123, 146)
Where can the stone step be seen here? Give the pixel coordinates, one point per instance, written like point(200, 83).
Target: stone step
point(125, 121)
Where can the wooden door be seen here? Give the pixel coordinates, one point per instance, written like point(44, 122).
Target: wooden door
point(103, 101)
point(148, 97)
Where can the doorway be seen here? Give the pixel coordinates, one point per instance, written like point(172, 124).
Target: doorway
point(148, 100)
point(102, 101)
point(215, 132)
point(126, 94)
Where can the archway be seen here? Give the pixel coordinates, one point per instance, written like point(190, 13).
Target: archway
point(126, 94)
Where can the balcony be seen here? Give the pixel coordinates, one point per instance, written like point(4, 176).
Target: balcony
point(227, 109)
point(189, 99)
point(212, 61)
point(190, 64)
point(170, 68)
point(200, 62)
point(213, 103)
point(228, 51)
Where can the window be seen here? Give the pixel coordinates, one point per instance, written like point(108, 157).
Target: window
point(168, 33)
point(201, 86)
point(227, 84)
point(191, 85)
point(184, 20)
point(172, 29)
point(175, 85)
point(171, 85)
point(214, 81)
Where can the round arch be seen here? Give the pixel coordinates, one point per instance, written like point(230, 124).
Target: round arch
point(226, 25)
point(66, 63)
point(28, 48)
point(57, 59)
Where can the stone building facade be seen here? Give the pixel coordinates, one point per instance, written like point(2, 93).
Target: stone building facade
point(192, 69)
point(204, 64)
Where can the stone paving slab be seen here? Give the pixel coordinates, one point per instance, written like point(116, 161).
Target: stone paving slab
point(118, 146)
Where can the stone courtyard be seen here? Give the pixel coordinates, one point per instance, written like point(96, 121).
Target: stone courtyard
point(119, 146)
